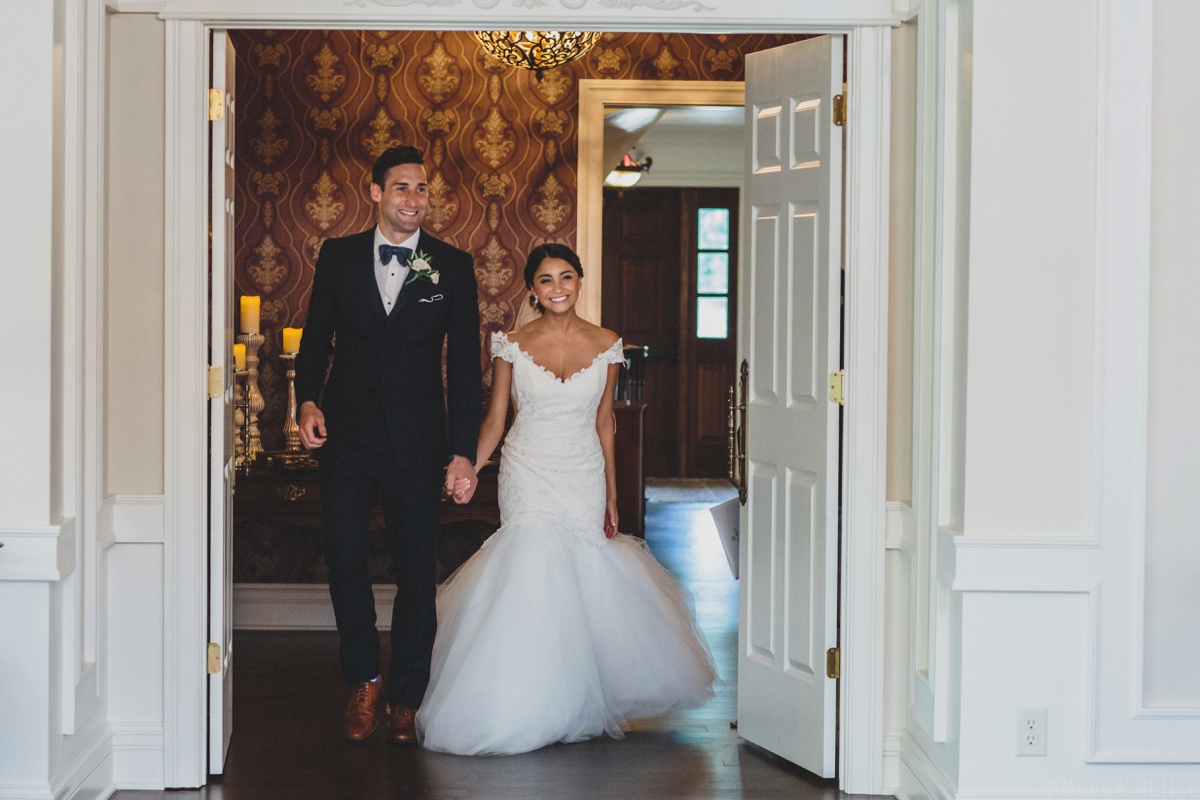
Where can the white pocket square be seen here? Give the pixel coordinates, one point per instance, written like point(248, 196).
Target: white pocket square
point(433, 299)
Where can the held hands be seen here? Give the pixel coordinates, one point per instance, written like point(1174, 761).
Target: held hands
point(461, 480)
point(312, 425)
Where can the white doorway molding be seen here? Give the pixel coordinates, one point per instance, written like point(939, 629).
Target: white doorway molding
point(867, 24)
point(595, 96)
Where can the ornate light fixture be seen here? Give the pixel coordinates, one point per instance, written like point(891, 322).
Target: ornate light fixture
point(537, 50)
point(629, 171)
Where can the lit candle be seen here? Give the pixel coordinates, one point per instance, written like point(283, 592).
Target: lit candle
point(239, 356)
point(291, 340)
point(250, 308)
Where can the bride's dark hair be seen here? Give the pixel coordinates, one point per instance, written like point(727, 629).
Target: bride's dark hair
point(539, 254)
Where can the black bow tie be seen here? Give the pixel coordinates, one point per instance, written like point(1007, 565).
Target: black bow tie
point(386, 251)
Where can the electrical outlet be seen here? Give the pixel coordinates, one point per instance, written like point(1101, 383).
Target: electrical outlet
point(1031, 731)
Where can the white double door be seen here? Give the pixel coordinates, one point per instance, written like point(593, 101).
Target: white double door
point(788, 333)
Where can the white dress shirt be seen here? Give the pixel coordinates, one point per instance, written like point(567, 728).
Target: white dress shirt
point(390, 277)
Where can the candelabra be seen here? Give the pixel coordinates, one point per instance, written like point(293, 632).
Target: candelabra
point(294, 454)
point(254, 399)
point(241, 421)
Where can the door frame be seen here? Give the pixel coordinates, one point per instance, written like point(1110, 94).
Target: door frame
point(185, 428)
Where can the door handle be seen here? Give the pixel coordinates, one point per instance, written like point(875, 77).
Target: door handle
point(736, 431)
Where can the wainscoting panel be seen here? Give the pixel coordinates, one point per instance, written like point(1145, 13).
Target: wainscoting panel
point(131, 534)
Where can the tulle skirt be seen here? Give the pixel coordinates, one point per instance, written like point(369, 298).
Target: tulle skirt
point(550, 635)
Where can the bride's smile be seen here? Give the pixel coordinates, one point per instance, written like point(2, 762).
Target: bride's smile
point(556, 285)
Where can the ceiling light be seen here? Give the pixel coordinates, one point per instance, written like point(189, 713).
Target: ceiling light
point(537, 50)
point(629, 171)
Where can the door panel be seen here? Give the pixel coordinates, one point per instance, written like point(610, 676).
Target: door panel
point(789, 334)
point(220, 430)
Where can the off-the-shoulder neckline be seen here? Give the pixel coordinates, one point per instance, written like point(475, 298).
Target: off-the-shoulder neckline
point(618, 345)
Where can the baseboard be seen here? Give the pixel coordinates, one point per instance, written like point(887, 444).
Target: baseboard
point(296, 607)
point(1090, 789)
point(919, 777)
point(138, 755)
point(88, 776)
point(893, 745)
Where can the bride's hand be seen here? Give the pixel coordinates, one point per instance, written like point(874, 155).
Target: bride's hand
point(462, 491)
point(610, 519)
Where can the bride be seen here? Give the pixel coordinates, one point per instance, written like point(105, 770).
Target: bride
point(559, 628)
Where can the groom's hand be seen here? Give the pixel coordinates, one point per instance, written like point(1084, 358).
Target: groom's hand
point(461, 480)
point(312, 425)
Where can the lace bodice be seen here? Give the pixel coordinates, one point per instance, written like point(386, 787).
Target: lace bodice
point(551, 462)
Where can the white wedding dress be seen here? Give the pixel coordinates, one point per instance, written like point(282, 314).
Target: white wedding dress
point(551, 632)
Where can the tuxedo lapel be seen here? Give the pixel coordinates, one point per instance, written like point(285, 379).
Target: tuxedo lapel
point(406, 292)
point(364, 268)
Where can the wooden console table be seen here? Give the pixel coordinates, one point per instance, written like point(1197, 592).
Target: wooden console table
point(296, 495)
point(277, 516)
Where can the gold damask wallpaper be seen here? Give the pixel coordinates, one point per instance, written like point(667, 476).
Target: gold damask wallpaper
point(315, 108)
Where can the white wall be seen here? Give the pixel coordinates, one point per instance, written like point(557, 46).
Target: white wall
point(902, 249)
point(27, 162)
point(1173, 457)
point(1032, 269)
point(133, 357)
point(134, 291)
point(922, 558)
point(54, 741)
point(899, 562)
point(693, 155)
point(1074, 556)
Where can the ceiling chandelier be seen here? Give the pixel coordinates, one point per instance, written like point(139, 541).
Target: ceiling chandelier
point(537, 50)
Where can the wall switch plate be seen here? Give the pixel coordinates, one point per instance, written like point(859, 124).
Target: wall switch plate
point(1031, 731)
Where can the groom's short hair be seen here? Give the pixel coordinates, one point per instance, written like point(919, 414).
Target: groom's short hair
point(394, 157)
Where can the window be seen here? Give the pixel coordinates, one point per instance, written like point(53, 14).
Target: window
point(712, 273)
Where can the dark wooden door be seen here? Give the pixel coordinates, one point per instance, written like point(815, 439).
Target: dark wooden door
point(641, 301)
point(708, 326)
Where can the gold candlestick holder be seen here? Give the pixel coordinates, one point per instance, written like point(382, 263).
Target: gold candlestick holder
point(254, 398)
point(239, 417)
point(241, 420)
point(294, 454)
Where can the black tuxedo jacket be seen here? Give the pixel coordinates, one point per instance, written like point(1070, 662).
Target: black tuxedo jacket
point(387, 368)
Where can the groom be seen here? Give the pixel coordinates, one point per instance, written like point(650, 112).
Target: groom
point(384, 429)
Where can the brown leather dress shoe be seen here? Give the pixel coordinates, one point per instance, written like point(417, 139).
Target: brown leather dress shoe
point(362, 712)
point(404, 725)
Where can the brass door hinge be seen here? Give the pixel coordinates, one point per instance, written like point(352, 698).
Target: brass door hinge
point(214, 658)
point(837, 387)
point(216, 382)
point(839, 109)
point(216, 105)
point(833, 663)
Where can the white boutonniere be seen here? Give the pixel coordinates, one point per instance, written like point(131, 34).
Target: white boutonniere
point(421, 268)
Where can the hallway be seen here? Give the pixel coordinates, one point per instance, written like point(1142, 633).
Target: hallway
point(287, 741)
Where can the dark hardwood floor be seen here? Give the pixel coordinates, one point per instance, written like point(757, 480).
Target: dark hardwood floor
point(288, 704)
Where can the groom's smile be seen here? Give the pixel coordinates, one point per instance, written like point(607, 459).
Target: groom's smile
point(402, 201)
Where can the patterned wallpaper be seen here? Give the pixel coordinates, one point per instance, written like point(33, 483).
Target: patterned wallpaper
point(315, 108)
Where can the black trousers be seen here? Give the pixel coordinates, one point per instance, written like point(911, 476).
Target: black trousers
point(352, 479)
